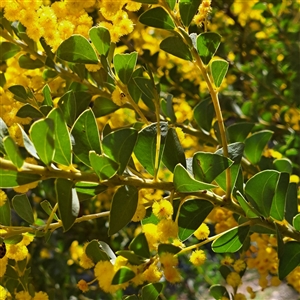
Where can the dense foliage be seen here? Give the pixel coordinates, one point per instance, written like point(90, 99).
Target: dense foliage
point(148, 148)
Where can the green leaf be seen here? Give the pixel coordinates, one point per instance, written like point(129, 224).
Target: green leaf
point(123, 208)
point(151, 291)
point(100, 38)
point(255, 144)
point(30, 111)
point(8, 50)
point(13, 152)
point(207, 45)
point(103, 106)
point(184, 183)
point(218, 291)
point(235, 151)
point(73, 104)
point(124, 65)
point(3, 133)
point(204, 113)
point(134, 91)
point(42, 137)
point(77, 49)
point(173, 152)
point(296, 222)
point(85, 136)
point(167, 107)
point(47, 95)
point(104, 167)
point(146, 87)
point(132, 258)
point(124, 274)
point(47, 207)
point(11, 179)
point(260, 190)
point(169, 248)
point(191, 216)
point(86, 190)
point(94, 252)
point(118, 145)
point(62, 150)
point(171, 3)
point(68, 202)
point(23, 208)
point(139, 245)
point(177, 47)
point(218, 70)
point(248, 209)
point(207, 166)
point(291, 205)
point(188, 9)
point(278, 203)
point(26, 62)
point(28, 144)
point(231, 241)
point(146, 143)
point(20, 94)
point(238, 132)
point(289, 260)
point(5, 215)
point(283, 165)
point(157, 17)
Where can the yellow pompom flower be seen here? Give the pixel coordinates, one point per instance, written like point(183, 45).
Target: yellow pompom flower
point(167, 229)
point(202, 232)
point(233, 279)
point(23, 296)
point(168, 260)
point(150, 231)
point(162, 209)
point(3, 293)
point(84, 260)
point(40, 296)
point(152, 274)
point(82, 285)
point(17, 252)
point(3, 265)
point(118, 97)
point(172, 275)
point(104, 272)
point(239, 265)
point(239, 296)
point(3, 198)
point(198, 258)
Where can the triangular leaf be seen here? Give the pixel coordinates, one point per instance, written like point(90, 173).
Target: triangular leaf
point(157, 17)
point(218, 70)
point(124, 65)
point(100, 38)
point(23, 208)
point(13, 152)
point(207, 45)
point(139, 246)
point(188, 9)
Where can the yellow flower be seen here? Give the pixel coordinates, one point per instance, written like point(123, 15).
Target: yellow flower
point(17, 252)
point(82, 285)
point(168, 260)
point(3, 198)
point(152, 274)
point(118, 97)
point(162, 209)
point(167, 229)
point(239, 265)
point(104, 272)
point(23, 296)
point(40, 296)
point(172, 274)
point(3, 293)
point(198, 258)
point(239, 296)
point(3, 265)
point(202, 232)
point(233, 279)
point(150, 231)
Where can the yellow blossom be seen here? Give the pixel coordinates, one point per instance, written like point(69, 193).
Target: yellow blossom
point(152, 274)
point(23, 296)
point(239, 296)
point(104, 272)
point(40, 296)
point(82, 285)
point(168, 260)
point(233, 279)
point(3, 265)
point(3, 293)
point(167, 229)
point(118, 97)
point(162, 209)
point(198, 258)
point(239, 265)
point(172, 274)
point(17, 252)
point(150, 231)
point(202, 232)
point(3, 198)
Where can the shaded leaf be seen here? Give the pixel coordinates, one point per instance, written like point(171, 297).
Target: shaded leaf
point(13, 152)
point(248, 209)
point(85, 136)
point(124, 65)
point(188, 9)
point(68, 202)
point(118, 145)
point(26, 62)
point(103, 106)
point(5, 215)
point(173, 152)
point(291, 204)
point(94, 252)
point(8, 50)
point(77, 49)
point(157, 17)
point(11, 179)
point(231, 241)
point(169, 248)
point(283, 165)
point(296, 222)
point(104, 167)
point(151, 291)
point(20, 94)
point(184, 183)
point(23, 208)
point(204, 113)
point(191, 216)
point(238, 132)
point(139, 245)
point(218, 291)
point(132, 258)
point(47, 207)
point(30, 111)
point(255, 144)
point(124, 274)
point(123, 208)
point(47, 95)
point(28, 144)
point(177, 47)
